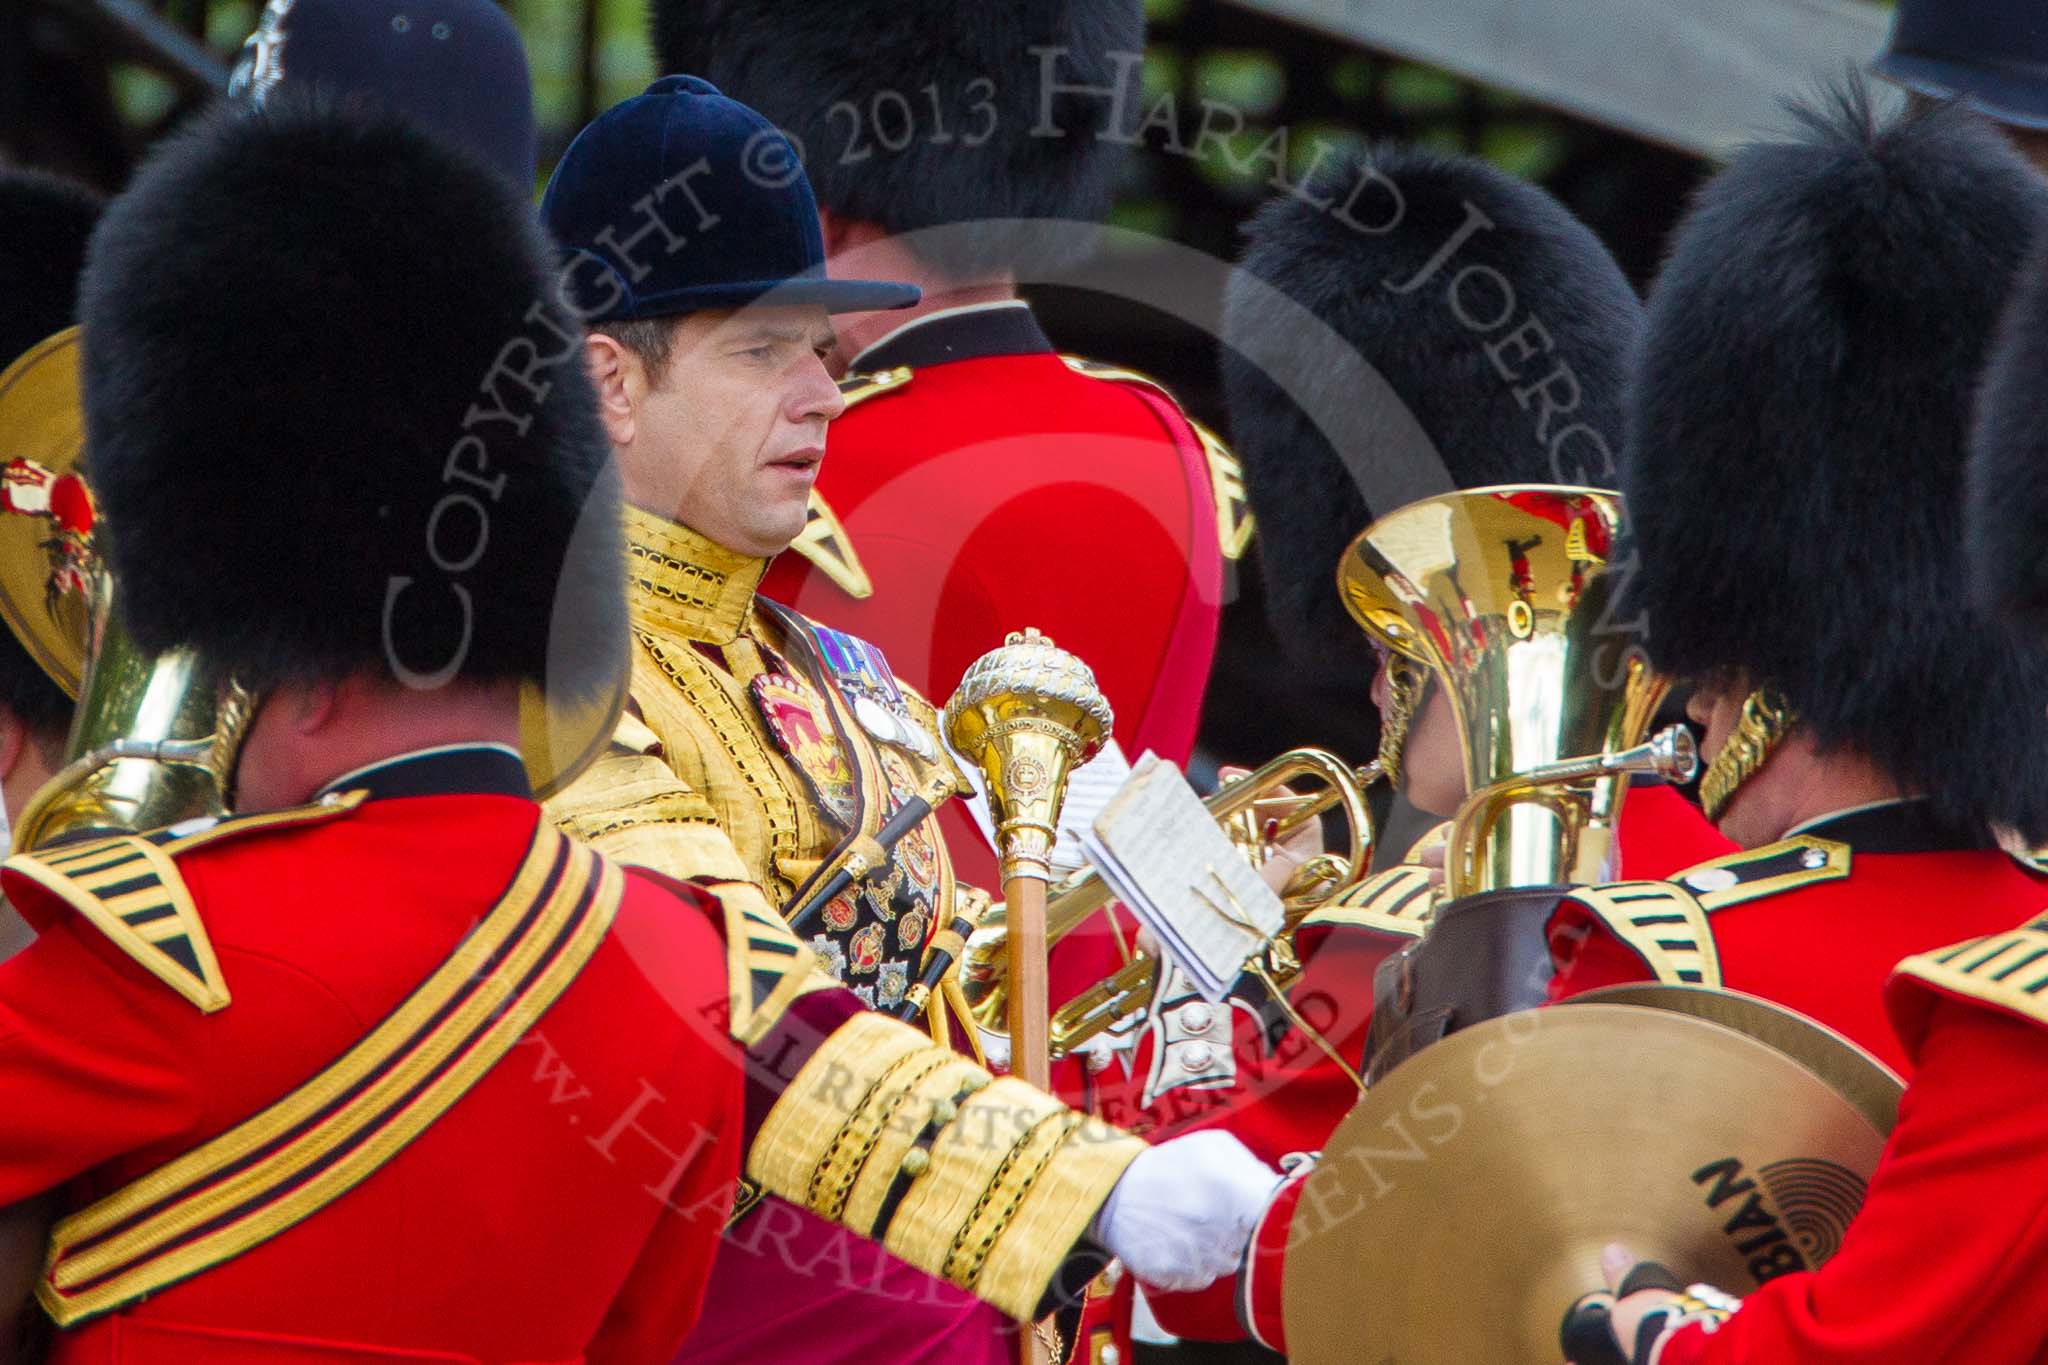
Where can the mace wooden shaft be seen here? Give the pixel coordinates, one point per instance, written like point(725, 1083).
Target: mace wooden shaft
point(1029, 1017)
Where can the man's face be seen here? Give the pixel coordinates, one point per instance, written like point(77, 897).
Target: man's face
point(1432, 759)
point(728, 438)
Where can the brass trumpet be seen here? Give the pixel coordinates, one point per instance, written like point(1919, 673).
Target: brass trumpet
point(1111, 1002)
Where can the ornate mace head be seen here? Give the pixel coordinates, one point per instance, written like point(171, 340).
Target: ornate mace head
point(1025, 714)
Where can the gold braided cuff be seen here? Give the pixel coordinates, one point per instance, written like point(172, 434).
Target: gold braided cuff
point(1014, 1183)
point(1010, 1182)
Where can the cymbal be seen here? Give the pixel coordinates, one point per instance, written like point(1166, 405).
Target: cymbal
point(1855, 1074)
point(1462, 1205)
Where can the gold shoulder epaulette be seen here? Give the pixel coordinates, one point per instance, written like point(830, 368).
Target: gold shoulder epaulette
point(2008, 971)
point(128, 887)
point(1399, 901)
point(1754, 873)
point(1234, 525)
point(1663, 923)
point(824, 542)
point(628, 794)
point(858, 388)
point(767, 967)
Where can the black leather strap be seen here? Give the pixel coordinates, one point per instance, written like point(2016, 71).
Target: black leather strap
point(914, 1162)
point(1483, 956)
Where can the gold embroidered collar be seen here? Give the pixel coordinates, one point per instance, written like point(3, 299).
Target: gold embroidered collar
point(684, 585)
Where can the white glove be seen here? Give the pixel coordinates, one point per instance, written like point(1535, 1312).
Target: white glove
point(1184, 1211)
point(1105, 1050)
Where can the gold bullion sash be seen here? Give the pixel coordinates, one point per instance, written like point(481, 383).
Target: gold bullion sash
point(287, 1162)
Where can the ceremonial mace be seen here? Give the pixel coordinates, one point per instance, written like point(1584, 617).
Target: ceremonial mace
point(1026, 714)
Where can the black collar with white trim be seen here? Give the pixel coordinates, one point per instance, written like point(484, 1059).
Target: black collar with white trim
point(1904, 826)
point(972, 333)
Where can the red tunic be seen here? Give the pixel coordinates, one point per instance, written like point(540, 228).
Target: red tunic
point(565, 1209)
point(1826, 949)
point(1000, 489)
point(1661, 833)
point(1944, 1261)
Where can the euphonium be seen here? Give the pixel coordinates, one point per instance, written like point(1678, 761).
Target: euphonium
point(142, 750)
point(152, 743)
point(1125, 993)
point(1507, 595)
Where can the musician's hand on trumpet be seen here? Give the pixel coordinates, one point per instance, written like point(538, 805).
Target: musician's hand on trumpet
point(1275, 825)
point(1429, 853)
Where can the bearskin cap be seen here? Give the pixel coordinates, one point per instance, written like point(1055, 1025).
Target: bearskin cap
point(917, 114)
point(1494, 332)
point(1798, 430)
point(2007, 508)
point(45, 223)
point(337, 419)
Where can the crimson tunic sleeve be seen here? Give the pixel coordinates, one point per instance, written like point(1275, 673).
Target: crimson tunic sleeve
point(95, 1061)
point(661, 1298)
point(1586, 955)
point(1945, 1261)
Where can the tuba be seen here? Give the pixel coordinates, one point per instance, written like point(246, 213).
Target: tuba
point(155, 738)
point(153, 742)
point(1508, 596)
point(148, 746)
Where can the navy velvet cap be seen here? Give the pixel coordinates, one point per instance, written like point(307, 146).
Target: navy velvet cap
point(1992, 54)
point(455, 67)
point(680, 199)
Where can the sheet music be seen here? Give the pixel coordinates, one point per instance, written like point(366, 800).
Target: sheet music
point(1089, 788)
point(1173, 867)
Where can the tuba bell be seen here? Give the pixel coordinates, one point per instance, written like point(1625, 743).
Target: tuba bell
point(153, 741)
point(143, 750)
point(1508, 596)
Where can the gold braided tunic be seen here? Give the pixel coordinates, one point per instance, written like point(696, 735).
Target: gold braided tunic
point(697, 785)
point(983, 1183)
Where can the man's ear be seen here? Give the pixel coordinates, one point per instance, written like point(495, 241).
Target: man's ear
point(834, 230)
point(310, 708)
point(621, 382)
point(14, 740)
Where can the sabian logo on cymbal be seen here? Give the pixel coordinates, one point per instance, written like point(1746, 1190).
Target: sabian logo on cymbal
point(1791, 1214)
